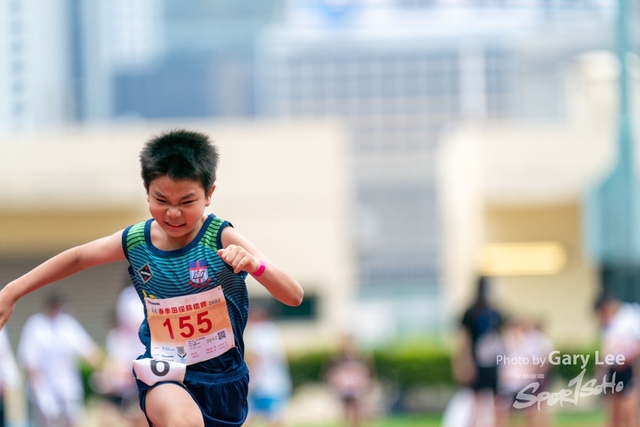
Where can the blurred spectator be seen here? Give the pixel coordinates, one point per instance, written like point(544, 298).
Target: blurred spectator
point(9, 375)
point(351, 376)
point(114, 382)
point(620, 338)
point(51, 346)
point(482, 343)
point(270, 384)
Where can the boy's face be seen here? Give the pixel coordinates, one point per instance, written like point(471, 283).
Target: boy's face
point(178, 206)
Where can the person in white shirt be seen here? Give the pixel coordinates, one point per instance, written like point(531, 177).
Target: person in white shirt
point(270, 385)
point(52, 343)
point(9, 374)
point(524, 342)
point(115, 381)
point(621, 339)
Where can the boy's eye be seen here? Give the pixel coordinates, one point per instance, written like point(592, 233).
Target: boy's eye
point(160, 200)
point(188, 202)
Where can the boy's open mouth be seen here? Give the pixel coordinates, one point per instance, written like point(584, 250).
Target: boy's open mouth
point(173, 225)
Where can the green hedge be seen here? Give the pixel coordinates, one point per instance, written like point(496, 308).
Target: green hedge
point(569, 371)
point(414, 367)
point(417, 366)
point(308, 367)
point(404, 367)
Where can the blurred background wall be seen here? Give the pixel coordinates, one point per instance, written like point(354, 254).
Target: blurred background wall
point(398, 145)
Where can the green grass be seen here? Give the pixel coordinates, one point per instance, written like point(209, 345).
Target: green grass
point(396, 421)
point(410, 421)
point(596, 419)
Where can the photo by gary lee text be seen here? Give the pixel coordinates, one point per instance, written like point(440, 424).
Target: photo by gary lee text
point(555, 358)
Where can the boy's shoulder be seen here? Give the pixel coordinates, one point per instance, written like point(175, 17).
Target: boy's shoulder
point(212, 232)
point(134, 235)
point(215, 223)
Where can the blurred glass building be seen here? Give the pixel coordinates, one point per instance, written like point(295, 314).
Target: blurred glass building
point(395, 72)
point(398, 73)
point(74, 61)
point(204, 64)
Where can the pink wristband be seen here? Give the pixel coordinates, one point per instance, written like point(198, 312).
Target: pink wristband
point(260, 269)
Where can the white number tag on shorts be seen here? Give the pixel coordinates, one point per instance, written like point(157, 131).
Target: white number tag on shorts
point(151, 371)
point(190, 328)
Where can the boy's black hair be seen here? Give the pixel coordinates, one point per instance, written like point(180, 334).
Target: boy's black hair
point(180, 154)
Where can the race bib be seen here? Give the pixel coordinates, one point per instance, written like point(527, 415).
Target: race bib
point(190, 328)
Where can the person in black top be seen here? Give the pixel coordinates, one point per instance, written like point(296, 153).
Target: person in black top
point(481, 324)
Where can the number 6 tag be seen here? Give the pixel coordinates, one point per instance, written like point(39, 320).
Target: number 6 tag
point(152, 371)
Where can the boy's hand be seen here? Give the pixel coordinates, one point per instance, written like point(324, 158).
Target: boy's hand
point(239, 259)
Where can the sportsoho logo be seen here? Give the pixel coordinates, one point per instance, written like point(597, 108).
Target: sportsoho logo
point(531, 394)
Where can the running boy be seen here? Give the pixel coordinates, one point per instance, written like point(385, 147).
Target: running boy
point(189, 269)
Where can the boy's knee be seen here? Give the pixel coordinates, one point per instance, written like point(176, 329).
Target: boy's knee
point(181, 418)
point(171, 406)
point(186, 419)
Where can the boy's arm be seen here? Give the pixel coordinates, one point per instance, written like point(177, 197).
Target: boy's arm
point(242, 255)
point(100, 251)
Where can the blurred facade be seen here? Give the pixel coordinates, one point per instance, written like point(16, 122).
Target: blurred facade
point(397, 75)
point(516, 203)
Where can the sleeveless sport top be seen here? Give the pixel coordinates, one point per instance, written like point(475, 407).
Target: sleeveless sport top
point(191, 270)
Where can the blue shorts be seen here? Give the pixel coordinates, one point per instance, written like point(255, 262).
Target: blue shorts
point(222, 397)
